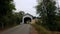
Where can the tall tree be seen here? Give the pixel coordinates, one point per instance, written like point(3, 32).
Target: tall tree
point(46, 9)
point(6, 8)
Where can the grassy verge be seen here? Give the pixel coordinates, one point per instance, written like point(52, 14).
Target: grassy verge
point(42, 30)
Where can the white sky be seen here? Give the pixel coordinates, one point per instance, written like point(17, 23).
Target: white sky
point(58, 2)
point(27, 6)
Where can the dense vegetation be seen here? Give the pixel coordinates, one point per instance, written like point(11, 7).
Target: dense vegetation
point(50, 17)
point(7, 16)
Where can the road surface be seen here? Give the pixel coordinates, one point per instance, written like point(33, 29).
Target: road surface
point(20, 29)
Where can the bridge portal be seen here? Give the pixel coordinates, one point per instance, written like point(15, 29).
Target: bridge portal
point(27, 18)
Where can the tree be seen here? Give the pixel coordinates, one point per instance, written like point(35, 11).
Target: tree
point(21, 14)
point(46, 9)
point(17, 17)
point(6, 8)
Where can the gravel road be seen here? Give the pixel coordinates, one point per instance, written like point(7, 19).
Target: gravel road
point(20, 29)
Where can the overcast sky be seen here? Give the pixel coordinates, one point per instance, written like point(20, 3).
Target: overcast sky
point(28, 6)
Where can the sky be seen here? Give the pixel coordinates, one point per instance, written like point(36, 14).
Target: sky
point(28, 6)
point(58, 2)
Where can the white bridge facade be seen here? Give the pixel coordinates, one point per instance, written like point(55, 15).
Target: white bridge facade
point(25, 16)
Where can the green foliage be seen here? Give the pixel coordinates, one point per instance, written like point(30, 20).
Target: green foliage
point(11, 19)
point(20, 15)
point(7, 17)
point(46, 9)
point(6, 6)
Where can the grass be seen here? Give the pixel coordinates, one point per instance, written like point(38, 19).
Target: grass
point(42, 30)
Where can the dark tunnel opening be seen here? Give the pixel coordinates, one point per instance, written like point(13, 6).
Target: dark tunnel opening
point(27, 20)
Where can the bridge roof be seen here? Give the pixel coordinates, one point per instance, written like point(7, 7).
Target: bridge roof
point(28, 14)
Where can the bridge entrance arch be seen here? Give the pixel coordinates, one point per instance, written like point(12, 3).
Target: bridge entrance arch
point(27, 18)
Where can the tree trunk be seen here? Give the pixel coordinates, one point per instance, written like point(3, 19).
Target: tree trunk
point(2, 25)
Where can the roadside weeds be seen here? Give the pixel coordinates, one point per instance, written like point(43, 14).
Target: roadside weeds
point(42, 30)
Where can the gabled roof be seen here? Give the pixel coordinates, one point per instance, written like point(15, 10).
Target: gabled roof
point(28, 14)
